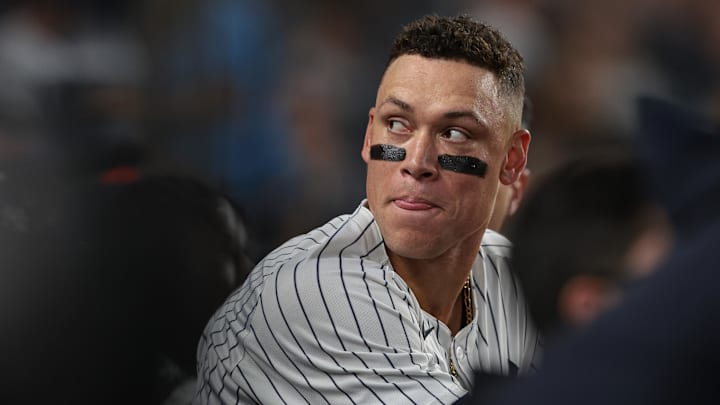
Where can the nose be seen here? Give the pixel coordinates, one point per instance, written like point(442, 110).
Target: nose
point(421, 158)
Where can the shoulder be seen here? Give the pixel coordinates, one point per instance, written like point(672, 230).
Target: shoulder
point(347, 249)
point(494, 243)
point(340, 289)
point(325, 240)
point(350, 237)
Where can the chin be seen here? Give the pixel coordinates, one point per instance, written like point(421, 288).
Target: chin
point(413, 248)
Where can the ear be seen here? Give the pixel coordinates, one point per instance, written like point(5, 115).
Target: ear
point(582, 299)
point(367, 143)
point(516, 157)
point(518, 188)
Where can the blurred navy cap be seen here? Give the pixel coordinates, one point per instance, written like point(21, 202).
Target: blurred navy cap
point(679, 150)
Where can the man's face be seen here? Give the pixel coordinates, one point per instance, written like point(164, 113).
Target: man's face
point(433, 107)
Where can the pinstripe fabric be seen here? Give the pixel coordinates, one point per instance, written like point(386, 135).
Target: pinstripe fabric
point(324, 319)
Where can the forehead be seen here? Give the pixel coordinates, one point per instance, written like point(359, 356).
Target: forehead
point(438, 77)
point(442, 84)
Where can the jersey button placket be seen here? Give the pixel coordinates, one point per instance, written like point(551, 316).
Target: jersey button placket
point(459, 353)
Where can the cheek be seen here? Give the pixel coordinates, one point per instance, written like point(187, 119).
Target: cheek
point(380, 170)
point(376, 179)
point(477, 198)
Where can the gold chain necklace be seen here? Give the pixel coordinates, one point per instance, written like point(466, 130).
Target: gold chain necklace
point(467, 316)
point(467, 298)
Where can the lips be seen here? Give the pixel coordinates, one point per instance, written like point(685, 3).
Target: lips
point(413, 204)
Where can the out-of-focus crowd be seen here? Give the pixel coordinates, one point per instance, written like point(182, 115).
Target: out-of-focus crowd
point(266, 100)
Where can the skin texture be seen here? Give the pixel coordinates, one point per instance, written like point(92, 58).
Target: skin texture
point(433, 220)
point(508, 201)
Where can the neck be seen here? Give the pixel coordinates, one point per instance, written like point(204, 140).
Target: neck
point(438, 283)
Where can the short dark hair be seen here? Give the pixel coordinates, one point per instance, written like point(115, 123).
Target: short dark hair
point(463, 38)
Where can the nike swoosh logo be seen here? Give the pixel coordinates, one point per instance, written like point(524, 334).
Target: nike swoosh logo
point(427, 332)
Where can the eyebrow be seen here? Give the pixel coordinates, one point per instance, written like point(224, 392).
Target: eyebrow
point(450, 114)
point(466, 114)
point(396, 101)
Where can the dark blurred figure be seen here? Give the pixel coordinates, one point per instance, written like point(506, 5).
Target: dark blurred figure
point(179, 248)
point(111, 306)
point(659, 346)
point(585, 230)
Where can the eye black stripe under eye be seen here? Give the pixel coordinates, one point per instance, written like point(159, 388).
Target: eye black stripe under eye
point(458, 164)
point(463, 164)
point(387, 152)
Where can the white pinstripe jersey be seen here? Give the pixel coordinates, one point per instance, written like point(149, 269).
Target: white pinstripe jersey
point(324, 319)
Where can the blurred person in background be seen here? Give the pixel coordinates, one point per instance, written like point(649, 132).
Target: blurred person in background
point(586, 232)
point(402, 299)
point(609, 233)
point(107, 305)
point(58, 63)
point(171, 249)
point(658, 345)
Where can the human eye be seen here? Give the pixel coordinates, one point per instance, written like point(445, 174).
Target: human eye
point(455, 135)
point(396, 126)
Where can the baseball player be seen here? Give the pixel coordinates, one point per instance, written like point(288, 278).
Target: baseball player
point(399, 301)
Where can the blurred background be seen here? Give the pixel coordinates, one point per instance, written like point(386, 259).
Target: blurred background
point(268, 100)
